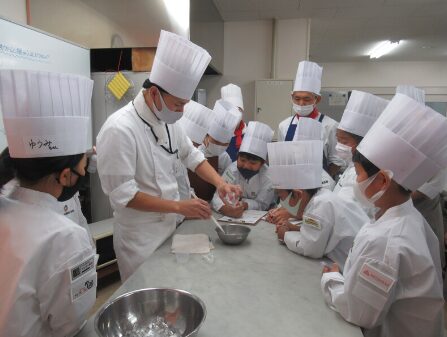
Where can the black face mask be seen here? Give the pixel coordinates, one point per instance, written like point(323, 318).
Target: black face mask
point(246, 173)
point(69, 191)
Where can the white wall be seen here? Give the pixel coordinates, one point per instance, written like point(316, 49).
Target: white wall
point(382, 77)
point(93, 23)
point(292, 46)
point(247, 56)
point(14, 10)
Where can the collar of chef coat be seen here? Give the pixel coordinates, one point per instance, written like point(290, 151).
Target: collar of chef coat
point(33, 197)
point(397, 211)
point(158, 127)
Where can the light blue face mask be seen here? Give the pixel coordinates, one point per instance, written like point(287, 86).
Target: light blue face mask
point(286, 205)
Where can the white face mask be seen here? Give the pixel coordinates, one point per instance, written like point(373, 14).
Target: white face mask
point(214, 150)
point(360, 188)
point(303, 110)
point(166, 115)
point(286, 205)
point(344, 152)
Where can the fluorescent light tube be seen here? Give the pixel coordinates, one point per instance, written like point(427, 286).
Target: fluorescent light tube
point(382, 48)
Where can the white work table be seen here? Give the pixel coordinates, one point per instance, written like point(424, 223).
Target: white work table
point(259, 288)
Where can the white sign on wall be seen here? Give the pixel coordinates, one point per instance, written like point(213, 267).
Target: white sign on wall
point(23, 47)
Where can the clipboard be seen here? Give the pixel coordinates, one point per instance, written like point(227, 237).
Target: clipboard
point(249, 217)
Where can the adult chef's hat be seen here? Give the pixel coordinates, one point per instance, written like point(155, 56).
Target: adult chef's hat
point(178, 65)
point(308, 129)
point(308, 77)
point(361, 112)
point(196, 121)
point(409, 139)
point(233, 94)
point(296, 165)
point(256, 137)
point(45, 114)
point(226, 118)
point(412, 92)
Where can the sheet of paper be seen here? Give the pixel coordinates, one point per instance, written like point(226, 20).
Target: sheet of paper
point(249, 217)
point(191, 243)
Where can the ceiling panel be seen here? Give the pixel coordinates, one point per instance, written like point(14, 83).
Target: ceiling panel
point(341, 30)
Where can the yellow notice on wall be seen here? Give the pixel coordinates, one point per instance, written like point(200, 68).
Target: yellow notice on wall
point(118, 86)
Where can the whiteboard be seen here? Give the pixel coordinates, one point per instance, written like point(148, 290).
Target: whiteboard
point(24, 47)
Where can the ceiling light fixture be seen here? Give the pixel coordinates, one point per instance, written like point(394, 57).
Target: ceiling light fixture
point(383, 48)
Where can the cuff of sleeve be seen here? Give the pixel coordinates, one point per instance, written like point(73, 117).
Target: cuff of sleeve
point(120, 196)
point(194, 159)
point(217, 202)
point(292, 239)
point(252, 204)
point(328, 280)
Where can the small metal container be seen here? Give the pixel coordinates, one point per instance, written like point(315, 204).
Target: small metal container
point(136, 313)
point(234, 234)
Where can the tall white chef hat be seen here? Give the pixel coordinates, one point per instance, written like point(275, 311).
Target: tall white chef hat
point(409, 139)
point(296, 165)
point(361, 112)
point(256, 137)
point(45, 114)
point(196, 121)
point(178, 65)
point(233, 94)
point(412, 92)
point(226, 118)
point(308, 129)
point(308, 77)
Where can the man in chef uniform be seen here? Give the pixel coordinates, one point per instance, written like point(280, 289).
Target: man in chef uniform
point(305, 97)
point(141, 150)
point(392, 281)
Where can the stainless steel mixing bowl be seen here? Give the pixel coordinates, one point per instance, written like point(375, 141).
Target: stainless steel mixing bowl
point(140, 313)
point(234, 234)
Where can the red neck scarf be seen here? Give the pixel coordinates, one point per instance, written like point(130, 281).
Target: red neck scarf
point(238, 134)
point(314, 114)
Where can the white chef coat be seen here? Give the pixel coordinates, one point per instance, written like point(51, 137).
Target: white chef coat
point(326, 181)
point(258, 192)
point(431, 208)
point(345, 189)
point(48, 279)
point(130, 159)
point(328, 228)
point(328, 130)
point(392, 282)
point(224, 160)
point(71, 208)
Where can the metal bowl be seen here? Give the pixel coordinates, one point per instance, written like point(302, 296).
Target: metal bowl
point(234, 234)
point(151, 312)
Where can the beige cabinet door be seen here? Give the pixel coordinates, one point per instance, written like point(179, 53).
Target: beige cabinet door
point(273, 102)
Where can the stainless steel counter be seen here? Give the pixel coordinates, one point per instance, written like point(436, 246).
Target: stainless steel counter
point(257, 289)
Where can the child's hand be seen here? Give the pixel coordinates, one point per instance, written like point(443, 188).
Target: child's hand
point(234, 212)
point(277, 215)
point(281, 231)
point(330, 269)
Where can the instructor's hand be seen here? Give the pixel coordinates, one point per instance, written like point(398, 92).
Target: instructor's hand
point(194, 208)
point(225, 189)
